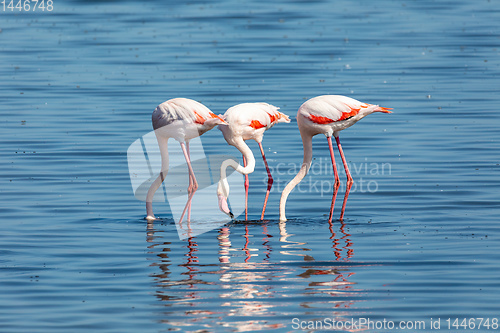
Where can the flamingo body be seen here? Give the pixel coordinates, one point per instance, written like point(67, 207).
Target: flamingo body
point(182, 119)
point(247, 121)
point(328, 115)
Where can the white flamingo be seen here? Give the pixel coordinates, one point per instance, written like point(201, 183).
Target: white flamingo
point(182, 119)
point(247, 121)
point(328, 115)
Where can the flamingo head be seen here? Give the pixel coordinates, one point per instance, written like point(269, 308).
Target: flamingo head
point(223, 205)
point(222, 193)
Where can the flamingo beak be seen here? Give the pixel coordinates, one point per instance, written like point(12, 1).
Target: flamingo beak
point(223, 206)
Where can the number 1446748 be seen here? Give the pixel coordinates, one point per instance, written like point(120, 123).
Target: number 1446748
point(27, 5)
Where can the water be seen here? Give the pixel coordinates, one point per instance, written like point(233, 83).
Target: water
point(419, 240)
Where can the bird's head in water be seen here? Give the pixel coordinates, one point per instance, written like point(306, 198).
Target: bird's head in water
point(223, 206)
point(222, 193)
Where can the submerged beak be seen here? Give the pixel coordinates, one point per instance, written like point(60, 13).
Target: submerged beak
point(223, 206)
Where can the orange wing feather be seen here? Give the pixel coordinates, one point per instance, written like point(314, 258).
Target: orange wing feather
point(255, 124)
point(213, 115)
point(320, 120)
point(199, 119)
point(273, 117)
point(346, 115)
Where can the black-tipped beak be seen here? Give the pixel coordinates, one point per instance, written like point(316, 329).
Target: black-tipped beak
point(231, 215)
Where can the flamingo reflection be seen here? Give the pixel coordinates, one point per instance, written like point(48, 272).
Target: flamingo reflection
point(338, 285)
point(251, 277)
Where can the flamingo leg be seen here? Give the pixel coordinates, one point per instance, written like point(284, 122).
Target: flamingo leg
point(247, 185)
point(348, 174)
point(349, 178)
point(190, 168)
point(269, 181)
point(336, 176)
point(348, 188)
point(192, 180)
point(187, 208)
point(334, 197)
point(193, 186)
point(334, 165)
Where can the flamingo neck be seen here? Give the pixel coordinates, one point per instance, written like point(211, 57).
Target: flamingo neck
point(306, 163)
point(223, 186)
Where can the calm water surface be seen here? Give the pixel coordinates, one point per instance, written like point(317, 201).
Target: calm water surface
point(420, 237)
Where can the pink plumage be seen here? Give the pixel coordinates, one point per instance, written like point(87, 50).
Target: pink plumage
point(182, 119)
point(247, 121)
point(328, 115)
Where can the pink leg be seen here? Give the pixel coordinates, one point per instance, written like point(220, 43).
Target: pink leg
point(269, 181)
point(336, 175)
point(192, 180)
point(347, 189)
point(193, 185)
point(187, 208)
point(334, 165)
point(349, 178)
point(334, 197)
point(247, 185)
point(190, 168)
point(348, 174)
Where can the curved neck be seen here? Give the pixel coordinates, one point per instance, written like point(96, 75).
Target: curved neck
point(223, 187)
point(306, 163)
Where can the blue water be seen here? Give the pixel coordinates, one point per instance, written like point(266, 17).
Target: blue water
point(419, 241)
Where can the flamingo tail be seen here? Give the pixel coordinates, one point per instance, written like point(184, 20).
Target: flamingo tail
point(382, 109)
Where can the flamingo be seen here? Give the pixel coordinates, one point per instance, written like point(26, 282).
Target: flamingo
point(328, 115)
point(182, 119)
point(247, 121)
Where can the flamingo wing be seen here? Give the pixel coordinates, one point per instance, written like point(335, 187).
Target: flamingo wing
point(266, 115)
point(254, 115)
point(331, 108)
point(328, 109)
point(183, 109)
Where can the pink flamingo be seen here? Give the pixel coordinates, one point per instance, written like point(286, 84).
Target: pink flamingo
point(182, 119)
point(247, 121)
point(328, 115)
